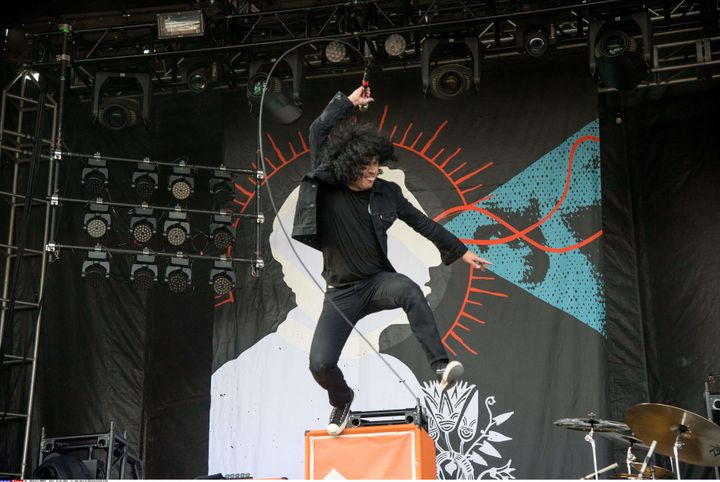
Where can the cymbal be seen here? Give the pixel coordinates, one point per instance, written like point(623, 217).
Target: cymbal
point(663, 423)
point(586, 424)
point(660, 472)
point(625, 439)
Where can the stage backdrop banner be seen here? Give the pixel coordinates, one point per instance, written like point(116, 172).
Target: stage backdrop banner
point(514, 172)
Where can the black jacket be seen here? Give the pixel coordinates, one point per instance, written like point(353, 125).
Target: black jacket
point(387, 202)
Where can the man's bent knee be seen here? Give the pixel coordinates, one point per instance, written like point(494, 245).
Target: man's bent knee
point(321, 367)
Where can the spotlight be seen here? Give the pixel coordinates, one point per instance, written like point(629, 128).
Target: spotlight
point(97, 220)
point(221, 231)
point(335, 52)
point(536, 40)
point(144, 272)
point(143, 224)
point(145, 179)
point(617, 59)
point(95, 176)
point(221, 187)
point(201, 78)
point(181, 183)
point(121, 112)
point(395, 45)
point(276, 104)
point(178, 275)
point(619, 63)
point(96, 268)
point(222, 277)
point(118, 113)
point(451, 81)
point(176, 228)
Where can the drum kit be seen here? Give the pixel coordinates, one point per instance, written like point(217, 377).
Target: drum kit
point(653, 427)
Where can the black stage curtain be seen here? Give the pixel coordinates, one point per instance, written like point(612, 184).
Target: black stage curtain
point(114, 353)
point(661, 217)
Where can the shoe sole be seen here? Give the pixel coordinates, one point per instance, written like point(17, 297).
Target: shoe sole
point(453, 372)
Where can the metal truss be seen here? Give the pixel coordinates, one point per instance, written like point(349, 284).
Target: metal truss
point(235, 40)
point(28, 122)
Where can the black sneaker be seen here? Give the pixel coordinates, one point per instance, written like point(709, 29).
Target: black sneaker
point(448, 374)
point(339, 417)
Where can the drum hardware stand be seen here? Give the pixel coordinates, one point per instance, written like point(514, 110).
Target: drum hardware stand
point(677, 446)
point(630, 458)
point(601, 471)
point(591, 440)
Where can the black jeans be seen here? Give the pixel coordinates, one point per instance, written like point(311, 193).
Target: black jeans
point(383, 291)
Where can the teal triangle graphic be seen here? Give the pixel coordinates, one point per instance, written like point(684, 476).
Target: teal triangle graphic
point(570, 280)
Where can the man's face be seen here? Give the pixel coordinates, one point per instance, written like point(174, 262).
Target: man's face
point(367, 178)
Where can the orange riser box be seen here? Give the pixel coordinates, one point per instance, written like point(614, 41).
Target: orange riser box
point(377, 452)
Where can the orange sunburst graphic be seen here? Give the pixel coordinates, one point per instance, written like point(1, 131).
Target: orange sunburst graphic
point(465, 181)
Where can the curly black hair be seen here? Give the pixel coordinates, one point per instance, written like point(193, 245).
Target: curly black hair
point(351, 147)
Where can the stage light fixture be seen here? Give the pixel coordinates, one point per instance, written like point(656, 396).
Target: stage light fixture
point(144, 272)
point(221, 187)
point(178, 275)
point(118, 113)
point(335, 52)
point(96, 268)
point(176, 228)
point(95, 175)
point(145, 179)
point(123, 111)
point(222, 277)
point(280, 109)
point(395, 45)
point(618, 59)
point(143, 224)
point(221, 231)
point(283, 104)
point(536, 40)
point(181, 183)
point(201, 78)
point(180, 24)
point(450, 81)
point(97, 221)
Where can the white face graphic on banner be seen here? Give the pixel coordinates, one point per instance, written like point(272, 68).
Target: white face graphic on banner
point(263, 402)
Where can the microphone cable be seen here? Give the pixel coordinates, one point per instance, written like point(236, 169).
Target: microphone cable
point(277, 213)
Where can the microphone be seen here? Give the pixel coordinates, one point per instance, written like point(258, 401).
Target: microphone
point(366, 86)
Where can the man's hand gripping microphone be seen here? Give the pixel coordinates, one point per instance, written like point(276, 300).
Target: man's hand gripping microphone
point(366, 88)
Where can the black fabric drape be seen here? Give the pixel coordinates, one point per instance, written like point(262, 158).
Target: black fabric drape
point(115, 353)
point(661, 169)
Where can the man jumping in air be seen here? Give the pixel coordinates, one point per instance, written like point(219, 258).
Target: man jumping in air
point(345, 210)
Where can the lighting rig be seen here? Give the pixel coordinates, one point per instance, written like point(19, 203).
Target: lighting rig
point(177, 223)
point(162, 51)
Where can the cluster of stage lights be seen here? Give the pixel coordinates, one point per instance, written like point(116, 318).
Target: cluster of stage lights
point(145, 269)
point(144, 222)
point(144, 219)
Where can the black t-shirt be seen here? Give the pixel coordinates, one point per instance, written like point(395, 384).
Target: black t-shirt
point(351, 251)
